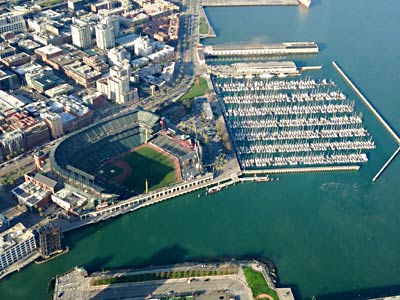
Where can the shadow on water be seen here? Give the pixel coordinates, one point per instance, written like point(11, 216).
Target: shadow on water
point(98, 263)
point(384, 291)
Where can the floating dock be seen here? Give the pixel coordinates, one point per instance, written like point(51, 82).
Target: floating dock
point(249, 3)
point(261, 49)
point(303, 170)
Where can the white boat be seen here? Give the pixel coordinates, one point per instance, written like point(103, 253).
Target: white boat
point(266, 75)
point(282, 75)
point(305, 3)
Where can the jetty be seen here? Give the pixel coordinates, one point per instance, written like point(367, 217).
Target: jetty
point(369, 105)
point(249, 3)
point(377, 115)
point(386, 165)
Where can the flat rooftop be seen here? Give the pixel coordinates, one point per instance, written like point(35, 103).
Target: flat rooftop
point(286, 45)
point(13, 236)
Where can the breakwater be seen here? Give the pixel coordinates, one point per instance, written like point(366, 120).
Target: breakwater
point(377, 115)
point(369, 105)
point(249, 2)
point(386, 165)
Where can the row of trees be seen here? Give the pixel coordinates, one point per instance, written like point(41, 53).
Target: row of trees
point(223, 134)
point(164, 275)
point(10, 178)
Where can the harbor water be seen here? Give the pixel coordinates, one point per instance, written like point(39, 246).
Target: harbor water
point(331, 235)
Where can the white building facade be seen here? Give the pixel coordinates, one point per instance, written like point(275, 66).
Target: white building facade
point(15, 244)
point(105, 38)
point(81, 36)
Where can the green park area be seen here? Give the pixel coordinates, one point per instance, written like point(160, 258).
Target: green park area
point(257, 283)
point(144, 163)
point(203, 26)
point(198, 89)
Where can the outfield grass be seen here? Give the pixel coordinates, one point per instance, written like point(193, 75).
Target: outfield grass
point(196, 91)
point(203, 26)
point(257, 283)
point(148, 163)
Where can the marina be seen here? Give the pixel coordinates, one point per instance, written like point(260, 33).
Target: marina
point(286, 123)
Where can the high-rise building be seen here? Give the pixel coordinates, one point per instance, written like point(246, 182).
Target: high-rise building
point(15, 244)
point(105, 36)
point(112, 21)
point(81, 36)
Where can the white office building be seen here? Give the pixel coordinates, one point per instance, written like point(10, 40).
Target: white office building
point(117, 86)
point(105, 38)
point(143, 46)
point(112, 21)
point(81, 36)
point(117, 55)
point(15, 244)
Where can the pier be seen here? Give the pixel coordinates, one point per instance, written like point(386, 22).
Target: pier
point(261, 49)
point(386, 165)
point(249, 3)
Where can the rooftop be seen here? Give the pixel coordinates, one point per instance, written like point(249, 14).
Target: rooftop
point(13, 236)
point(49, 50)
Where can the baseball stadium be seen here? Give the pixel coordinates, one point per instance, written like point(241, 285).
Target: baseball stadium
point(122, 156)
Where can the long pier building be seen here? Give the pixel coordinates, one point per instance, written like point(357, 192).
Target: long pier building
point(261, 49)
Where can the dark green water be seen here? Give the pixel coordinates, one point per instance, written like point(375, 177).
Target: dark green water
point(334, 235)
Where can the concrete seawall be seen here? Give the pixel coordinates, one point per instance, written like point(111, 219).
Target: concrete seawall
point(249, 2)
